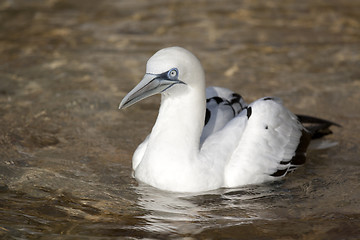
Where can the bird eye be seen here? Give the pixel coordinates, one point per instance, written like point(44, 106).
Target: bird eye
point(173, 73)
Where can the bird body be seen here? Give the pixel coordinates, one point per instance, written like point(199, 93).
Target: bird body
point(205, 139)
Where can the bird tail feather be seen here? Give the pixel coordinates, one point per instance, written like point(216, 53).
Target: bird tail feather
point(316, 126)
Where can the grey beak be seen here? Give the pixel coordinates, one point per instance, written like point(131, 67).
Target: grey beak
point(150, 85)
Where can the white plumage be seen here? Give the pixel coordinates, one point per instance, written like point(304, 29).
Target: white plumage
point(208, 139)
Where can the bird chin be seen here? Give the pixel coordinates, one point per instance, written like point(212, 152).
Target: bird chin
point(175, 89)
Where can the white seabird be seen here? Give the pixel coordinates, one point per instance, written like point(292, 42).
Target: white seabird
point(239, 144)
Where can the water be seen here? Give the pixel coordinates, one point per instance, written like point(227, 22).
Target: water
point(65, 149)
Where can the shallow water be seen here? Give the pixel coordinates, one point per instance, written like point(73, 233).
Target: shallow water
point(65, 149)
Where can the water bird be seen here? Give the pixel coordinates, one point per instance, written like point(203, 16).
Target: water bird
point(209, 138)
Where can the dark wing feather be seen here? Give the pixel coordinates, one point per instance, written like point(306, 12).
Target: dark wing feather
point(316, 126)
point(222, 105)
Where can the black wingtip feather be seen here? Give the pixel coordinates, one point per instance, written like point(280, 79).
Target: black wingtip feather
point(300, 155)
point(248, 112)
point(279, 173)
point(216, 98)
point(207, 116)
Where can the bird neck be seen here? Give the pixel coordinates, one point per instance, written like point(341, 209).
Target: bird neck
point(179, 124)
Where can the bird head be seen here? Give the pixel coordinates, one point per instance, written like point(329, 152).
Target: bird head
point(170, 71)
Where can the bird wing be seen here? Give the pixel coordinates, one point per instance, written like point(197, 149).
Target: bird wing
point(222, 105)
point(263, 142)
point(272, 143)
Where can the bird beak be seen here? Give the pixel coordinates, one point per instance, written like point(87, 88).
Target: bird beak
point(150, 85)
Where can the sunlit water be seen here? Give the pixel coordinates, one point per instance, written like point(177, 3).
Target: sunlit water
point(65, 149)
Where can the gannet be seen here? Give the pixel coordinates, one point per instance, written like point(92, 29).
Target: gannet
point(204, 139)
